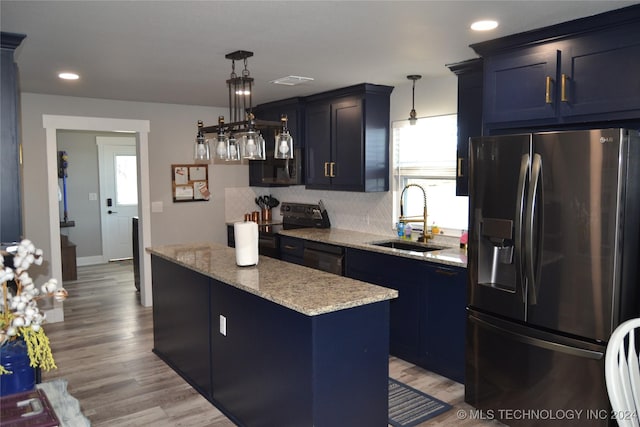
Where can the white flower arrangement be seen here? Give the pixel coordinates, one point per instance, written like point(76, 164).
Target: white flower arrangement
point(20, 316)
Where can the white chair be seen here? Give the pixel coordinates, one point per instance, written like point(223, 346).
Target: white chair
point(622, 373)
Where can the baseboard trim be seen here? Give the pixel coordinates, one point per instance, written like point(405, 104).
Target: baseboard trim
point(90, 260)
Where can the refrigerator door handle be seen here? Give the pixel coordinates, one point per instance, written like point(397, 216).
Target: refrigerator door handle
point(520, 206)
point(538, 342)
point(533, 253)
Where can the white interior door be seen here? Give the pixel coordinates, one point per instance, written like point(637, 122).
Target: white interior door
point(118, 194)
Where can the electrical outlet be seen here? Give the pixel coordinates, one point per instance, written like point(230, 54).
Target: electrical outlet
point(223, 325)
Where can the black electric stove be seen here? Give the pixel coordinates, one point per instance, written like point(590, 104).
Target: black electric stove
point(294, 215)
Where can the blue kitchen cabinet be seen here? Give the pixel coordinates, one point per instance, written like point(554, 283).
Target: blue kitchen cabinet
point(274, 172)
point(347, 139)
point(582, 71)
point(182, 323)
point(427, 320)
point(516, 83)
point(403, 275)
point(469, 119)
point(10, 167)
point(442, 344)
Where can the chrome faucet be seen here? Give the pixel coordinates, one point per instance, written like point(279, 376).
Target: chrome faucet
point(406, 219)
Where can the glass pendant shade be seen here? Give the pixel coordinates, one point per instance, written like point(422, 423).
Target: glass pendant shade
point(284, 142)
point(233, 149)
point(252, 145)
point(220, 142)
point(201, 150)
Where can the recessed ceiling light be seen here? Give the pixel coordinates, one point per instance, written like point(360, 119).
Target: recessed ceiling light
point(291, 80)
point(68, 76)
point(484, 25)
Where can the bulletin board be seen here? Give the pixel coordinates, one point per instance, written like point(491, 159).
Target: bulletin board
point(190, 183)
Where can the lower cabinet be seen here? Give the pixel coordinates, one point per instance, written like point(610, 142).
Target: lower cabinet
point(181, 324)
point(270, 365)
point(427, 320)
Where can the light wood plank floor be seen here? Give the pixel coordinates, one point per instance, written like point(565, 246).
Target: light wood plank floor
point(103, 349)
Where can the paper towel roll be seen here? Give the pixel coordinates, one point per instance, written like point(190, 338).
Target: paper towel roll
point(246, 239)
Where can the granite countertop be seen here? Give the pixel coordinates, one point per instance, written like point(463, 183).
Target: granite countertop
point(359, 240)
point(305, 290)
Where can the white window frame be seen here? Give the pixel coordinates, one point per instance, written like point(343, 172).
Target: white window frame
point(425, 162)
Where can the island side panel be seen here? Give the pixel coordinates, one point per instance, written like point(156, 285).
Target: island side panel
point(262, 367)
point(351, 367)
point(181, 322)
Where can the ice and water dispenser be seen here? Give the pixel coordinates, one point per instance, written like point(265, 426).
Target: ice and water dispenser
point(496, 266)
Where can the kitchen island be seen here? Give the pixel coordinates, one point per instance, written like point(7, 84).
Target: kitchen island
point(275, 344)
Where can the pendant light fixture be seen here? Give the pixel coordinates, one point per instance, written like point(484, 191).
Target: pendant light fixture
point(201, 151)
point(252, 143)
point(284, 141)
point(240, 139)
point(412, 115)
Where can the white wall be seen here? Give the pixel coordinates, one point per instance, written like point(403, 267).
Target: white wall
point(172, 131)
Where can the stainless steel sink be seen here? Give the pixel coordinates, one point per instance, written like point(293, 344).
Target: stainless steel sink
point(407, 245)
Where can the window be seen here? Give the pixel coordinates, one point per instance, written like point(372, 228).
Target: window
point(126, 180)
point(425, 154)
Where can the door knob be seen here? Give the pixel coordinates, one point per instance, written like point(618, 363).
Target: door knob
point(111, 212)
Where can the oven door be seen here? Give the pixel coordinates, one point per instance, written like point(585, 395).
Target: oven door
point(324, 257)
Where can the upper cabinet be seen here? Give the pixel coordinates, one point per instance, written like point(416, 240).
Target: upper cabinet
point(10, 152)
point(469, 116)
point(347, 139)
point(576, 72)
point(274, 172)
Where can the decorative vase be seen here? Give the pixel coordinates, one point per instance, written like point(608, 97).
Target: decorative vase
point(15, 359)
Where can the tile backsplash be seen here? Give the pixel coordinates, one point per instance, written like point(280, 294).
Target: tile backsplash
point(366, 212)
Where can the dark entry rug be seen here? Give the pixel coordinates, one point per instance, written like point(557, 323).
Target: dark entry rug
point(409, 407)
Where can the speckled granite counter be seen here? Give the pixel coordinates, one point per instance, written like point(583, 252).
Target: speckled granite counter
point(355, 239)
point(302, 289)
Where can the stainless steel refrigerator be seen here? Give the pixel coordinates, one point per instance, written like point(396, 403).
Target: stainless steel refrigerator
point(553, 269)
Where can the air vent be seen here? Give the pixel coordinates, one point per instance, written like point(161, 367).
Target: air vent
point(291, 80)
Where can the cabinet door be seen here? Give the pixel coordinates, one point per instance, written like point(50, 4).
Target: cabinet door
point(292, 250)
point(405, 276)
point(442, 345)
point(10, 168)
point(470, 75)
point(347, 146)
point(181, 321)
point(602, 75)
point(517, 84)
point(318, 145)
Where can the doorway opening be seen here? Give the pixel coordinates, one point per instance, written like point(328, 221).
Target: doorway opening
point(140, 129)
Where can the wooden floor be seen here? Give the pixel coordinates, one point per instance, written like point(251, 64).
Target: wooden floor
point(103, 349)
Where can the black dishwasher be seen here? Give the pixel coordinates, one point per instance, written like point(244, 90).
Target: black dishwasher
point(324, 257)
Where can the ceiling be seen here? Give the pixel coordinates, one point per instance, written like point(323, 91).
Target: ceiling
point(174, 51)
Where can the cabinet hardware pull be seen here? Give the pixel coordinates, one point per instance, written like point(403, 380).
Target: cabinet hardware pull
point(332, 173)
point(446, 272)
point(290, 247)
point(460, 159)
point(563, 88)
point(326, 165)
point(547, 93)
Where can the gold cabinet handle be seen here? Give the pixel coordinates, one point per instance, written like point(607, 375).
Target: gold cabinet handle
point(563, 88)
point(547, 92)
point(446, 272)
point(326, 165)
point(460, 159)
point(332, 173)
